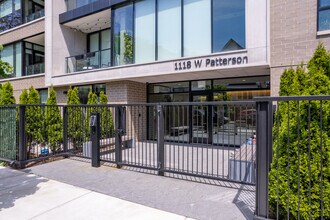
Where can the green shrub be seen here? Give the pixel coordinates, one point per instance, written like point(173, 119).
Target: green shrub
point(54, 125)
point(7, 123)
point(7, 96)
point(296, 148)
point(106, 117)
point(76, 119)
point(34, 118)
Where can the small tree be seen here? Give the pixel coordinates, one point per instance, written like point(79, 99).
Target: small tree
point(23, 98)
point(92, 100)
point(7, 96)
point(75, 119)
point(34, 120)
point(5, 67)
point(106, 117)
point(54, 126)
point(304, 153)
point(8, 123)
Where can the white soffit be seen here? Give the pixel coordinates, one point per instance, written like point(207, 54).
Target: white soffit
point(92, 23)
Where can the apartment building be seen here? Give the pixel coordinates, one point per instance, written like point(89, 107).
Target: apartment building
point(22, 33)
point(159, 50)
point(296, 29)
point(156, 51)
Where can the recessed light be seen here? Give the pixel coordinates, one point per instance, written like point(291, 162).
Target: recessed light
point(243, 80)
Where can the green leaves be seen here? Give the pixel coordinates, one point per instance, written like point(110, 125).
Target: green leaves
point(34, 118)
point(7, 96)
point(295, 176)
point(5, 67)
point(54, 125)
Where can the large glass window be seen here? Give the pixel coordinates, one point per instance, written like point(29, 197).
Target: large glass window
point(197, 29)
point(228, 25)
point(10, 14)
point(145, 28)
point(34, 59)
point(99, 49)
point(12, 54)
point(123, 35)
point(324, 15)
point(169, 29)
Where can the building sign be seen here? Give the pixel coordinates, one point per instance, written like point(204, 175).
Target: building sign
point(205, 63)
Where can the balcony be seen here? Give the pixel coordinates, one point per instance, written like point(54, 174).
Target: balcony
point(35, 15)
point(35, 69)
point(88, 61)
point(73, 4)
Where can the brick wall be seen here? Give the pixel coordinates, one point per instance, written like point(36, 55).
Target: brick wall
point(22, 32)
point(20, 84)
point(293, 35)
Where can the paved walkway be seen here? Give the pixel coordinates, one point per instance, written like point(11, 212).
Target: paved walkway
point(71, 189)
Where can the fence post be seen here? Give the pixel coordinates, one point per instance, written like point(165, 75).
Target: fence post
point(264, 143)
point(65, 130)
point(96, 135)
point(22, 151)
point(160, 139)
point(118, 137)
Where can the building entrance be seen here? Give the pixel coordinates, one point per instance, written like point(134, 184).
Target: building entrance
point(201, 121)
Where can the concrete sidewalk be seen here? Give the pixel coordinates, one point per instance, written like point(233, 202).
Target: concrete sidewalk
point(192, 199)
point(27, 196)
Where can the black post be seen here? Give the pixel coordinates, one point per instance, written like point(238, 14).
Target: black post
point(65, 129)
point(160, 139)
point(264, 143)
point(118, 137)
point(22, 151)
point(95, 136)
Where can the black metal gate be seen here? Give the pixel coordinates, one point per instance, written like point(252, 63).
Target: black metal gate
point(209, 140)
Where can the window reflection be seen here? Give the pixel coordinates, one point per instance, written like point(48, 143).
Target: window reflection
point(228, 25)
point(123, 35)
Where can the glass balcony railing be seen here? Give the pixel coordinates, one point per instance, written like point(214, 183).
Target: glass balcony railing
point(35, 15)
point(73, 4)
point(88, 61)
point(35, 69)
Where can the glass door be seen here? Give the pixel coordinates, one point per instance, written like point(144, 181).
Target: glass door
point(201, 119)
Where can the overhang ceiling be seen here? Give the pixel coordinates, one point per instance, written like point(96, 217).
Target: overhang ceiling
point(38, 39)
point(92, 23)
point(212, 74)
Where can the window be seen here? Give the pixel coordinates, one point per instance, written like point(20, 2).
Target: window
point(123, 35)
point(169, 29)
point(324, 15)
point(34, 59)
point(228, 25)
point(197, 29)
point(12, 53)
point(99, 49)
point(43, 94)
point(145, 27)
point(10, 14)
point(84, 90)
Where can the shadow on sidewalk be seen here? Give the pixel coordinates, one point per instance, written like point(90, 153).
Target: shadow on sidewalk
point(15, 185)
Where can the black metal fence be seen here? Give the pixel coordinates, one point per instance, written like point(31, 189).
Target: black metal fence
point(279, 144)
point(293, 158)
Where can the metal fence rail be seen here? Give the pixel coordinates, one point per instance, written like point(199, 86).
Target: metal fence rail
point(280, 144)
point(293, 179)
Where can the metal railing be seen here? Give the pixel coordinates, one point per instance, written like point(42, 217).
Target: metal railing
point(88, 61)
point(293, 158)
point(35, 15)
point(73, 4)
point(279, 144)
point(35, 69)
